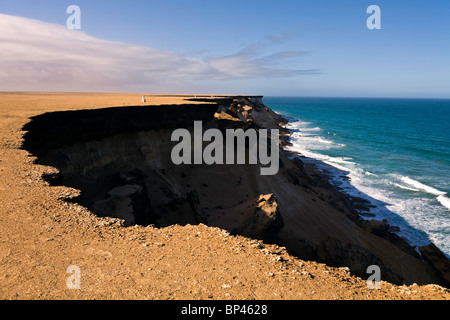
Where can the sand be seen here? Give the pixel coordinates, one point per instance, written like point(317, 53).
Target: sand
point(41, 236)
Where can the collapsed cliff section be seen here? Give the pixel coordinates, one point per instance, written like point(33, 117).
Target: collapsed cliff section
point(120, 160)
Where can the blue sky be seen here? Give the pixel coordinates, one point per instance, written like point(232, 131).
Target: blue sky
point(306, 48)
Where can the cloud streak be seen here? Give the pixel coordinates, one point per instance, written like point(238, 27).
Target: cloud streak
point(36, 55)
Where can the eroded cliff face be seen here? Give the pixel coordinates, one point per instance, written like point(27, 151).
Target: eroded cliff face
point(120, 159)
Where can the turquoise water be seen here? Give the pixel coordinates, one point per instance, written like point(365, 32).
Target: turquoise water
point(396, 153)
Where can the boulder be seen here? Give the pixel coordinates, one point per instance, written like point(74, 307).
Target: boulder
point(258, 218)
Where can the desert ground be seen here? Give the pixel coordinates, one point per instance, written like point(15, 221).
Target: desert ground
point(41, 235)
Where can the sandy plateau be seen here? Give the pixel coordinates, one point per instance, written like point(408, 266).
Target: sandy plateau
point(41, 235)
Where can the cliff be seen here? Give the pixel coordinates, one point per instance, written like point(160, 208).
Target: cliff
point(120, 160)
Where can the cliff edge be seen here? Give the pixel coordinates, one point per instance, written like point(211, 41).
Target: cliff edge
point(87, 180)
point(120, 159)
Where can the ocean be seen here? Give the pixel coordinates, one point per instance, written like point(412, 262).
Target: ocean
point(395, 153)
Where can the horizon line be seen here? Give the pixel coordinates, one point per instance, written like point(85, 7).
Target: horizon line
point(223, 95)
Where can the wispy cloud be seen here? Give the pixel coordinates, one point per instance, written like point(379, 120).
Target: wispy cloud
point(36, 55)
point(283, 36)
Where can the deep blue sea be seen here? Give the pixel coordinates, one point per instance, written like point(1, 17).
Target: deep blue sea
point(396, 153)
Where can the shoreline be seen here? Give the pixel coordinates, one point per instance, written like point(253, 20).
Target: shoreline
point(360, 203)
point(390, 155)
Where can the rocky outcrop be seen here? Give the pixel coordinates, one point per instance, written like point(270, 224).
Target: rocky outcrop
point(120, 159)
point(257, 218)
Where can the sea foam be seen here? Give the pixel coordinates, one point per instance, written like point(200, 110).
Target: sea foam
point(306, 142)
point(421, 186)
point(444, 201)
